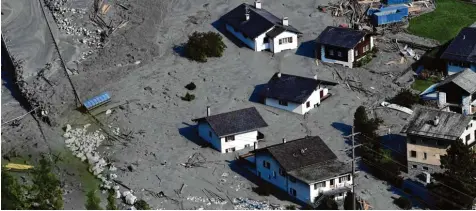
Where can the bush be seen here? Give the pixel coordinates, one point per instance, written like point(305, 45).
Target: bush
point(403, 203)
point(328, 204)
point(141, 205)
point(93, 201)
point(406, 98)
point(111, 200)
point(191, 86)
point(13, 193)
point(290, 207)
point(188, 97)
point(201, 45)
point(348, 201)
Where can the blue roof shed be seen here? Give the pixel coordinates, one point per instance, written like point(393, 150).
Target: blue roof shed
point(386, 15)
point(96, 101)
point(392, 2)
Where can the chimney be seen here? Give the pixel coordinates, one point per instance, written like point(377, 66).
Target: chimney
point(258, 4)
point(315, 77)
point(436, 121)
point(279, 74)
point(255, 146)
point(247, 16)
point(284, 140)
point(208, 110)
point(285, 21)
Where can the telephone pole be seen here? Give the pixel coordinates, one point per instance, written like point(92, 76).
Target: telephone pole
point(353, 165)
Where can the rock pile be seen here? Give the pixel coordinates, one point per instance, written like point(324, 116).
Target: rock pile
point(207, 201)
point(250, 204)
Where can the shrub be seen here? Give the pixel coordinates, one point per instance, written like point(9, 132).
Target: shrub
point(141, 205)
point(290, 207)
point(111, 200)
point(13, 193)
point(406, 98)
point(191, 86)
point(329, 204)
point(201, 45)
point(188, 97)
point(403, 203)
point(348, 201)
point(92, 201)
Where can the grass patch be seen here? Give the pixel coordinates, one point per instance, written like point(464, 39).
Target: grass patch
point(445, 22)
point(421, 85)
point(74, 164)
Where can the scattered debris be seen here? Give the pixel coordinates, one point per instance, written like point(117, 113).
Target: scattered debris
point(196, 160)
point(250, 204)
point(397, 107)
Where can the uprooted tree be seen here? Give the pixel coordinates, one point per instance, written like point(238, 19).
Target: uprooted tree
point(406, 98)
point(201, 45)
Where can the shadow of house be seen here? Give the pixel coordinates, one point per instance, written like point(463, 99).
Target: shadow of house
point(431, 60)
point(179, 49)
point(416, 192)
point(344, 128)
point(190, 132)
point(307, 49)
point(257, 95)
point(219, 25)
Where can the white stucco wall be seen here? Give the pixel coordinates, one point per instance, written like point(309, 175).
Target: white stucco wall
point(350, 58)
point(267, 174)
point(293, 107)
point(203, 131)
point(314, 99)
point(260, 46)
point(278, 48)
point(240, 141)
point(442, 100)
point(466, 105)
point(250, 43)
point(469, 131)
point(328, 187)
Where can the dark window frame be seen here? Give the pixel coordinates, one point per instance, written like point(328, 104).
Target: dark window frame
point(229, 138)
point(283, 102)
point(413, 153)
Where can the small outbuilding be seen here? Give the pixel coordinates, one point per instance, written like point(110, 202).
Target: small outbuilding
point(343, 45)
point(386, 15)
point(457, 93)
point(231, 131)
point(295, 93)
point(461, 52)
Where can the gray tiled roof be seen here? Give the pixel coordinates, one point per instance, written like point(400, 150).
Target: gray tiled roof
point(260, 21)
point(451, 125)
point(322, 171)
point(465, 79)
point(235, 122)
point(340, 37)
point(292, 88)
point(301, 153)
point(463, 46)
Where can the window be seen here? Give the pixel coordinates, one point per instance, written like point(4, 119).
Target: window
point(348, 177)
point(413, 154)
point(292, 192)
point(319, 185)
point(230, 150)
point(468, 137)
point(425, 168)
point(266, 164)
point(414, 166)
point(285, 40)
point(332, 181)
point(292, 179)
point(308, 104)
point(247, 145)
point(331, 52)
point(282, 172)
point(339, 54)
point(424, 156)
point(229, 138)
point(274, 174)
point(282, 102)
point(344, 178)
point(356, 53)
point(210, 133)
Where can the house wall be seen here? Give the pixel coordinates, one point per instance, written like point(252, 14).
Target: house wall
point(260, 44)
point(452, 69)
point(303, 191)
point(293, 107)
point(278, 48)
point(240, 141)
point(359, 48)
point(471, 131)
point(250, 43)
point(328, 187)
point(267, 174)
point(314, 99)
point(348, 63)
point(204, 130)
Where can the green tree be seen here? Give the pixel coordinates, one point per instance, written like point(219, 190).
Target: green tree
point(93, 201)
point(201, 45)
point(111, 200)
point(406, 98)
point(46, 190)
point(404, 203)
point(141, 205)
point(368, 133)
point(328, 204)
point(348, 201)
point(13, 193)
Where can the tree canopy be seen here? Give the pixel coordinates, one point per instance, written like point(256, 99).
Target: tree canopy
point(201, 45)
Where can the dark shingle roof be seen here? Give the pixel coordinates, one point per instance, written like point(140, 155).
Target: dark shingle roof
point(260, 21)
point(292, 88)
point(340, 37)
point(465, 79)
point(451, 125)
point(463, 47)
point(275, 32)
point(319, 172)
point(301, 153)
point(234, 122)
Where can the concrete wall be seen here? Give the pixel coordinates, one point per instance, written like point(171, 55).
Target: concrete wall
point(204, 130)
point(240, 141)
point(350, 57)
point(250, 43)
point(328, 187)
point(455, 69)
point(293, 107)
point(278, 48)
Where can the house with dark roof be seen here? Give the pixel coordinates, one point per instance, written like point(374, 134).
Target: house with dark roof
point(343, 45)
point(457, 92)
point(259, 29)
point(429, 134)
point(295, 93)
point(304, 168)
point(461, 52)
point(231, 131)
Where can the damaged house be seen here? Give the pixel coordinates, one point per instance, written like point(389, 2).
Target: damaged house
point(429, 134)
point(343, 46)
point(231, 131)
point(461, 52)
point(259, 29)
point(295, 93)
point(304, 168)
point(457, 93)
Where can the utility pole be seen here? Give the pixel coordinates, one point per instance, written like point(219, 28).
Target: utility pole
point(353, 164)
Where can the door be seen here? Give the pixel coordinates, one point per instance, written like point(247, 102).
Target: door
point(322, 93)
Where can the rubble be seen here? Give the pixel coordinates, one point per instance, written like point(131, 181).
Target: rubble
point(250, 204)
point(129, 198)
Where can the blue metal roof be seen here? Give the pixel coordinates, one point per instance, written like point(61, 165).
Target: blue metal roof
point(102, 98)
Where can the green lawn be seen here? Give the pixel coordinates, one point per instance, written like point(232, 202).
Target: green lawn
point(422, 85)
point(445, 22)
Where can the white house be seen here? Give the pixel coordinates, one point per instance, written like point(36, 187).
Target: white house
point(231, 131)
point(461, 52)
point(304, 168)
point(295, 93)
point(259, 29)
point(457, 92)
point(343, 46)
